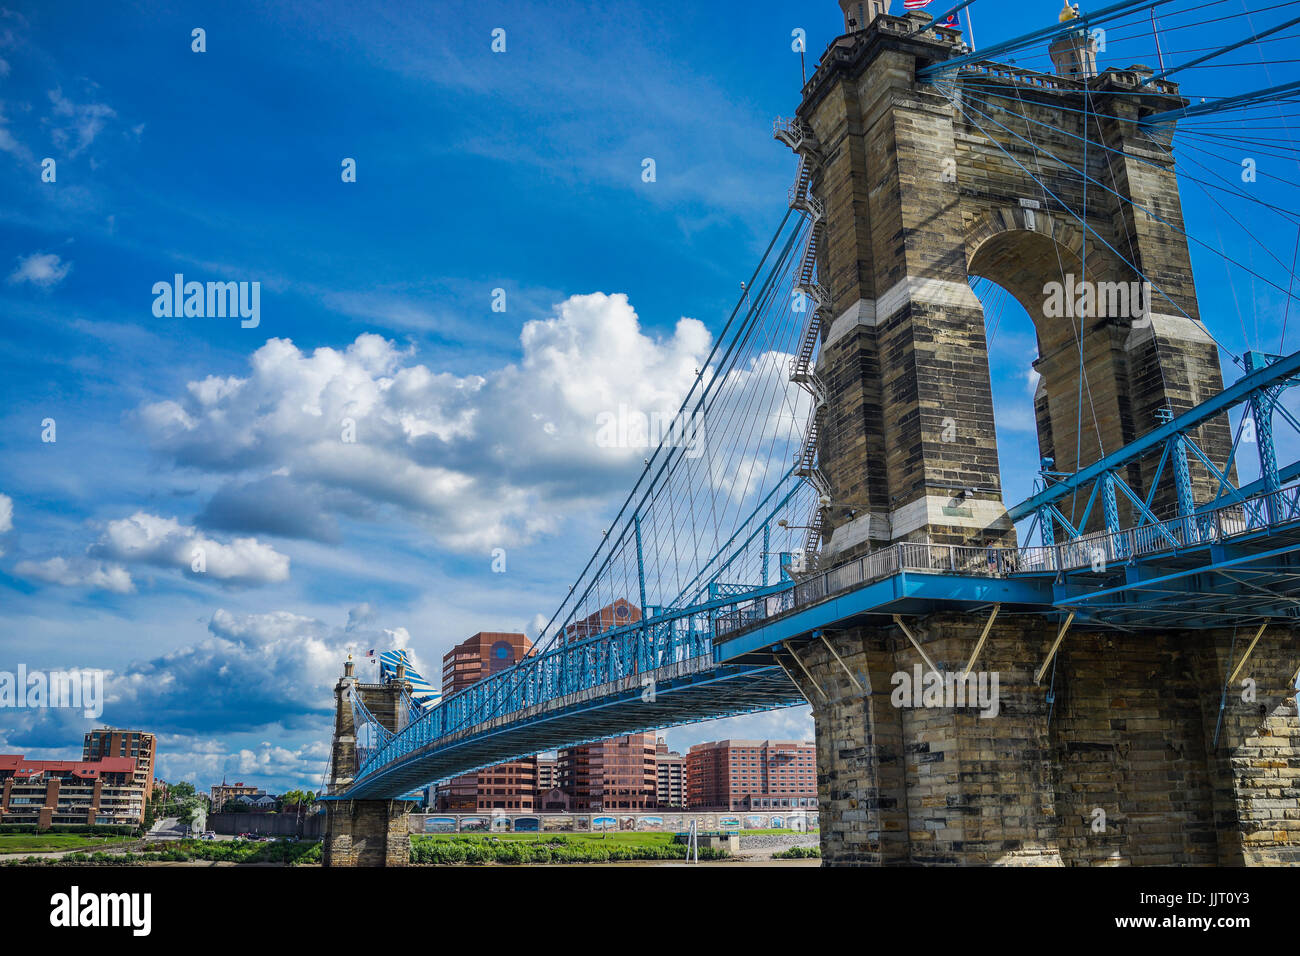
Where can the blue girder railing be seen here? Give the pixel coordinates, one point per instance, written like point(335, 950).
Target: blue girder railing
point(1266, 377)
point(673, 642)
point(1231, 556)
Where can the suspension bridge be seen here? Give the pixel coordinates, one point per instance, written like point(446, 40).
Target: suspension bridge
point(829, 509)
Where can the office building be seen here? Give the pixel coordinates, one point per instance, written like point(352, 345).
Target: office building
point(615, 774)
point(751, 775)
point(507, 786)
point(548, 774)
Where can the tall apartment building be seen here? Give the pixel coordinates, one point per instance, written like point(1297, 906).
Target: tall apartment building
point(507, 786)
point(77, 792)
point(751, 775)
point(548, 774)
point(616, 774)
point(670, 776)
point(139, 746)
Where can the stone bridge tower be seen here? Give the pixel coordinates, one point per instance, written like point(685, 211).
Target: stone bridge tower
point(915, 187)
point(364, 832)
point(917, 200)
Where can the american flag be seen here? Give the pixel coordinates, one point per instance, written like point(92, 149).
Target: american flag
point(919, 4)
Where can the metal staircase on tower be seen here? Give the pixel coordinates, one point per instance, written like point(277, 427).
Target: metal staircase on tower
point(814, 299)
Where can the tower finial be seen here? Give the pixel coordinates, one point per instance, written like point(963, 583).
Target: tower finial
point(1068, 12)
point(859, 13)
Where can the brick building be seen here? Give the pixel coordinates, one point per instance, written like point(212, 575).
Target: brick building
point(615, 774)
point(224, 792)
point(135, 744)
point(751, 775)
point(70, 792)
point(507, 786)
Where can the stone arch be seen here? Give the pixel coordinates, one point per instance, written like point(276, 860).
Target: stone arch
point(1022, 250)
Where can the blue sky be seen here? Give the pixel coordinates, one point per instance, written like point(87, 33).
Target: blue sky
point(475, 171)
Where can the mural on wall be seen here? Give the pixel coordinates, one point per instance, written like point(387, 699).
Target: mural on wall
point(797, 821)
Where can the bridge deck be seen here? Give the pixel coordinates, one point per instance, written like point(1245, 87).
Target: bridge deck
point(682, 693)
point(1232, 565)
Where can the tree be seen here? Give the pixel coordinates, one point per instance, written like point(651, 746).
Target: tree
point(181, 791)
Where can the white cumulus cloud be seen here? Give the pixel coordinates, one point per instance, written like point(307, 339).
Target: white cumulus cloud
point(481, 460)
point(144, 538)
point(96, 575)
point(44, 269)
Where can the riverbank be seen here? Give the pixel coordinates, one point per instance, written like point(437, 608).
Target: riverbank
point(507, 849)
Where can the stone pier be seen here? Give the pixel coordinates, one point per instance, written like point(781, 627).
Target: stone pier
point(364, 832)
point(1111, 761)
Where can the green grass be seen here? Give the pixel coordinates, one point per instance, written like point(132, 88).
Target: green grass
point(517, 848)
point(798, 853)
point(646, 837)
point(181, 851)
point(49, 842)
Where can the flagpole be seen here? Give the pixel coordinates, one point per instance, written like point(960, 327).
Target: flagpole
point(1155, 32)
point(970, 31)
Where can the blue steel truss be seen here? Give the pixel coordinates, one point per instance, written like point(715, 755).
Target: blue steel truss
point(1232, 560)
point(641, 676)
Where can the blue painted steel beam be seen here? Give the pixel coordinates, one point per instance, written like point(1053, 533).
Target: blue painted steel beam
point(1197, 569)
point(884, 598)
point(1218, 106)
point(1234, 394)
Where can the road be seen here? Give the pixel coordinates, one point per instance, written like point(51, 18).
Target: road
point(168, 828)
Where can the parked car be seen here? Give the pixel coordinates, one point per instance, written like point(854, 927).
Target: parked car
point(209, 835)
